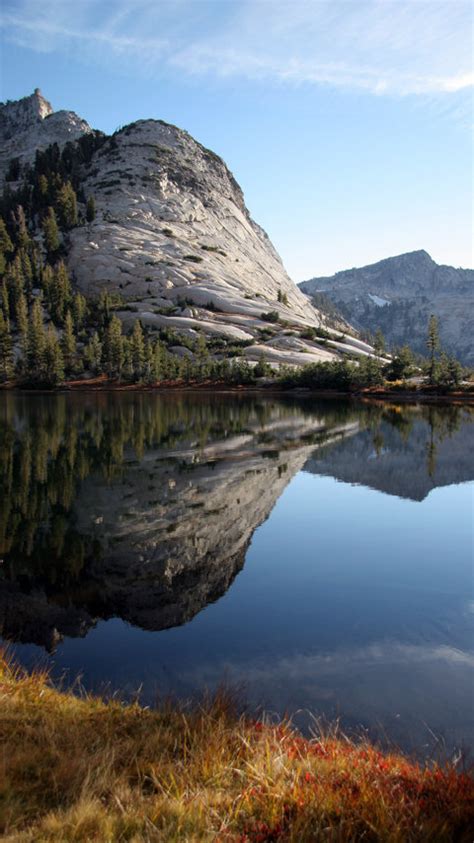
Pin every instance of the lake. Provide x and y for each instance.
(314, 555)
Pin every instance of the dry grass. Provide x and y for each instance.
(81, 769)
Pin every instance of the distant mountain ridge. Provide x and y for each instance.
(398, 295)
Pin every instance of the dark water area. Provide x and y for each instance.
(316, 555)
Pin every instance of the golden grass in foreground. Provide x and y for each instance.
(81, 769)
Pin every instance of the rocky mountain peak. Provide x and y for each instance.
(31, 123)
(24, 114)
(420, 254)
(419, 257)
(38, 105)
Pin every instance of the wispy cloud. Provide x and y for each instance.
(47, 36)
(386, 47)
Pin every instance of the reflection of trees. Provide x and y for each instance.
(401, 421)
(443, 422)
(404, 450)
(136, 505)
(50, 444)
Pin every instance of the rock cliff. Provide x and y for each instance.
(173, 237)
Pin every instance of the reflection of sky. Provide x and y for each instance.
(350, 602)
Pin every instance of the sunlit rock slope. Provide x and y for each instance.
(173, 237)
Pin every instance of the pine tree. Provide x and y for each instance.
(369, 372)
(90, 209)
(104, 308)
(79, 309)
(53, 358)
(21, 318)
(68, 343)
(127, 365)
(26, 267)
(6, 245)
(15, 282)
(5, 302)
(186, 368)
(262, 368)
(47, 280)
(114, 349)
(455, 371)
(6, 354)
(60, 293)
(21, 229)
(432, 343)
(51, 232)
(202, 355)
(36, 341)
(156, 372)
(379, 343)
(66, 203)
(41, 193)
(401, 365)
(36, 260)
(137, 350)
(93, 353)
(148, 365)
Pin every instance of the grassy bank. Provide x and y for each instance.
(81, 769)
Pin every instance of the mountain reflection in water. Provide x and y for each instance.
(142, 508)
(137, 507)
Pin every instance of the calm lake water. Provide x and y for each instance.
(316, 554)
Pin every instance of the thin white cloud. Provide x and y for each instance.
(200, 60)
(396, 47)
(44, 35)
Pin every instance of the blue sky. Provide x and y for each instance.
(348, 123)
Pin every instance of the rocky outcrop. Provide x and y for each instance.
(399, 294)
(173, 237)
(30, 124)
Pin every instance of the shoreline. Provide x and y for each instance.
(378, 394)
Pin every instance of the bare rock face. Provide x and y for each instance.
(30, 124)
(172, 231)
(172, 224)
(173, 236)
(399, 294)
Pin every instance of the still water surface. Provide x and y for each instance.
(317, 555)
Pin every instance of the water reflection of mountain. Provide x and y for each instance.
(405, 452)
(137, 507)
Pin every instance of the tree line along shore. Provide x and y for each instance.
(51, 334)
